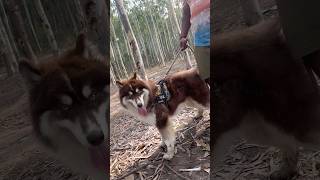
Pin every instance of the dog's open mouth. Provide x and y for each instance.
(99, 156)
(142, 111)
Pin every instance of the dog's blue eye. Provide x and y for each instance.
(93, 96)
(65, 107)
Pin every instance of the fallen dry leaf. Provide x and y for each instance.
(131, 177)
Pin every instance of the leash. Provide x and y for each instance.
(163, 94)
(175, 55)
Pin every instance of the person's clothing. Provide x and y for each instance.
(202, 56)
(200, 21)
(301, 25)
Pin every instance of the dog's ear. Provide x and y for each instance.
(81, 45)
(119, 84)
(86, 49)
(30, 73)
(135, 76)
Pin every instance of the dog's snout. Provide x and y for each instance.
(95, 138)
(139, 104)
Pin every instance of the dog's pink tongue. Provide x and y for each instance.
(99, 157)
(142, 111)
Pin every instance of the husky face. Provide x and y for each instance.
(134, 95)
(69, 95)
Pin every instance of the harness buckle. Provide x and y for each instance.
(163, 94)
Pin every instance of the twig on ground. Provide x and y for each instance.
(178, 174)
(190, 170)
(157, 173)
(136, 169)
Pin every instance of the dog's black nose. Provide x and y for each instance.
(95, 138)
(139, 105)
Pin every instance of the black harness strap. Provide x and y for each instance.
(163, 95)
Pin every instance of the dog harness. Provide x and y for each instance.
(162, 95)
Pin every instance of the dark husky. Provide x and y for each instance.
(141, 98)
(68, 98)
(263, 94)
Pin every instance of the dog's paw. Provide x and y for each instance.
(199, 114)
(162, 144)
(283, 174)
(168, 156)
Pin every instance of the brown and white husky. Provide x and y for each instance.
(261, 93)
(69, 104)
(140, 98)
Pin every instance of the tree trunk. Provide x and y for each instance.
(80, 15)
(20, 32)
(47, 26)
(151, 42)
(7, 52)
(176, 24)
(26, 9)
(251, 11)
(155, 38)
(169, 40)
(97, 21)
(127, 46)
(118, 49)
(8, 30)
(112, 76)
(115, 62)
(141, 40)
(131, 39)
(74, 24)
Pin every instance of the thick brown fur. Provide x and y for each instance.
(68, 97)
(255, 73)
(75, 65)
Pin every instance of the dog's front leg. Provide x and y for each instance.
(166, 129)
(288, 166)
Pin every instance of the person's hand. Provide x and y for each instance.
(183, 43)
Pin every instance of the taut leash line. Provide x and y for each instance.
(178, 51)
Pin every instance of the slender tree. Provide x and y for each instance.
(131, 38)
(72, 17)
(97, 23)
(155, 33)
(115, 62)
(30, 24)
(80, 15)
(47, 26)
(176, 24)
(6, 51)
(8, 29)
(19, 31)
(118, 49)
(112, 76)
